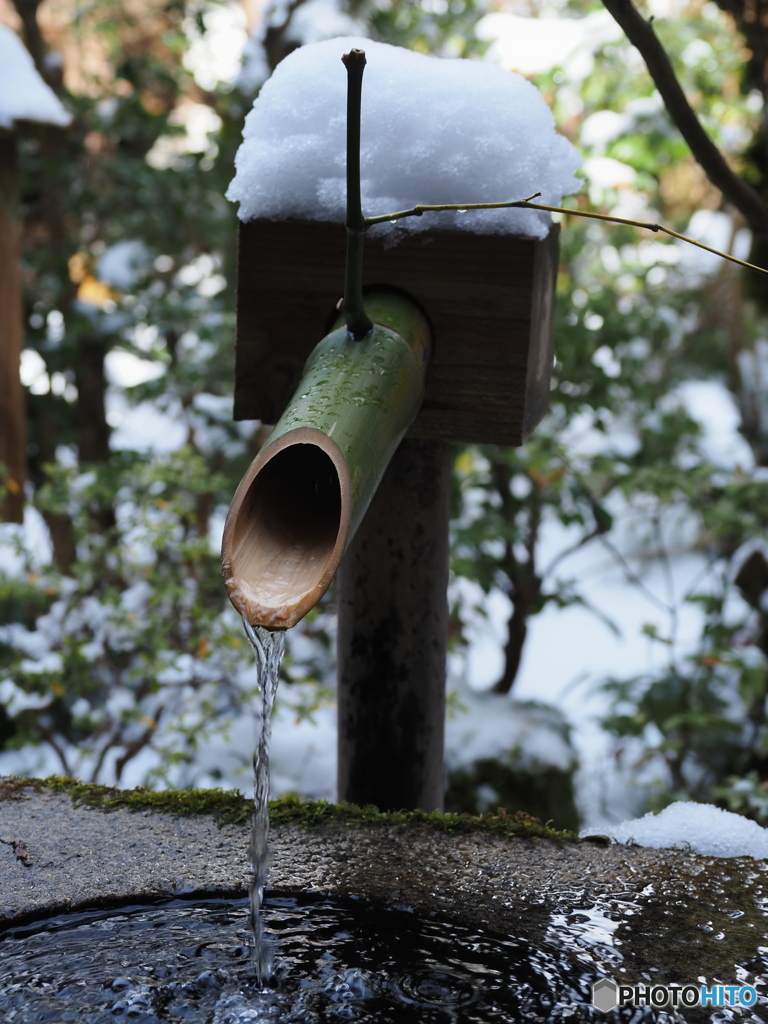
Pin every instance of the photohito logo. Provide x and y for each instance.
(606, 995)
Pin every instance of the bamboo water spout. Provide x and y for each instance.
(305, 493)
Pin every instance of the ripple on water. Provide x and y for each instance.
(337, 961)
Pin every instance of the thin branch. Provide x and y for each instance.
(33, 37)
(640, 33)
(49, 737)
(669, 576)
(276, 45)
(526, 204)
(137, 745)
(353, 308)
(632, 576)
(561, 556)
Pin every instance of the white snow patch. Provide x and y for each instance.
(495, 725)
(605, 172)
(214, 54)
(124, 263)
(255, 68)
(33, 372)
(16, 700)
(143, 427)
(603, 127)
(716, 229)
(433, 131)
(534, 45)
(127, 370)
(318, 20)
(702, 828)
(711, 403)
(24, 96)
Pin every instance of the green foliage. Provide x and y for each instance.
(747, 795)
(116, 642)
(634, 324)
(133, 646)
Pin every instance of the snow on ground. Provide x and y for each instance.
(701, 828)
(433, 131)
(24, 96)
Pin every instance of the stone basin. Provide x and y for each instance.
(627, 912)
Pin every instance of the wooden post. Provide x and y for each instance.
(392, 636)
(13, 454)
(490, 302)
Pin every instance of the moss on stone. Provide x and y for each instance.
(518, 824)
(231, 807)
(227, 806)
(541, 790)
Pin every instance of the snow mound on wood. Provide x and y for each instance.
(433, 131)
(24, 96)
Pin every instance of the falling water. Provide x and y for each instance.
(268, 647)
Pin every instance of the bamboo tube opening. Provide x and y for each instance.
(287, 529)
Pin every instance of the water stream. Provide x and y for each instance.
(268, 648)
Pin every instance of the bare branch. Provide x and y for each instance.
(48, 736)
(632, 576)
(526, 204)
(582, 542)
(640, 33)
(136, 746)
(277, 41)
(50, 71)
(357, 320)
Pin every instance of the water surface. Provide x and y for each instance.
(337, 960)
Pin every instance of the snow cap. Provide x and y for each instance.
(24, 96)
(701, 828)
(434, 131)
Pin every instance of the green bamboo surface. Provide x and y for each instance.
(364, 394)
(359, 395)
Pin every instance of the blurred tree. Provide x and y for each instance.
(703, 715)
(117, 645)
(128, 248)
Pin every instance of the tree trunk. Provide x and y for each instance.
(517, 631)
(12, 418)
(92, 428)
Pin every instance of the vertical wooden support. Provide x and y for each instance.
(392, 636)
(12, 419)
(490, 302)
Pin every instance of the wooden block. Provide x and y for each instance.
(490, 299)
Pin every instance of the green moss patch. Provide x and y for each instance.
(519, 824)
(231, 807)
(227, 806)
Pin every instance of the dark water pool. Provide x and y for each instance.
(336, 961)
